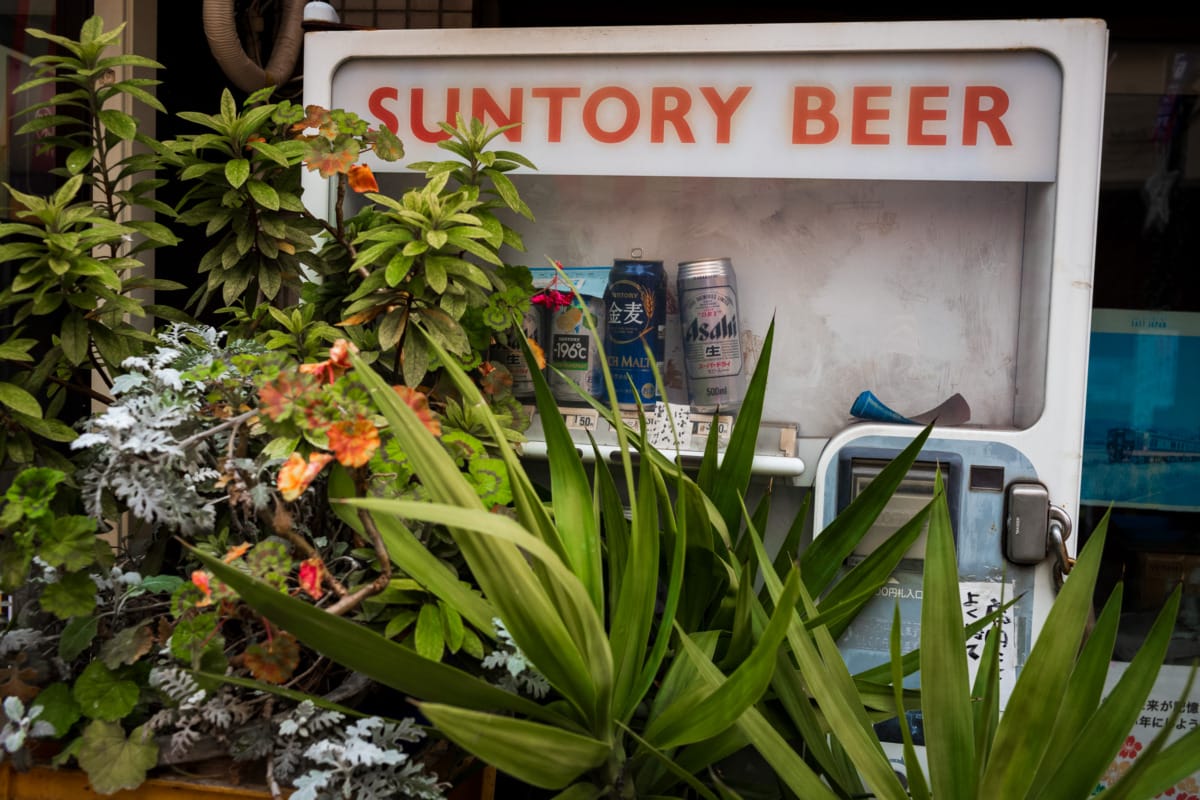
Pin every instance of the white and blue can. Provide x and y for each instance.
(711, 332)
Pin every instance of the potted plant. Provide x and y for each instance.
(110, 626)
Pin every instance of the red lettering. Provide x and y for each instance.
(591, 108)
(483, 105)
(724, 109)
(974, 115)
(417, 114)
(804, 111)
(661, 114)
(375, 105)
(862, 113)
(555, 97)
(919, 113)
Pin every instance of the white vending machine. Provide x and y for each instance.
(913, 204)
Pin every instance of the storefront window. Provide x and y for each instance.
(25, 163)
(1142, 429)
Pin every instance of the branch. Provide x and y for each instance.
(351, 601)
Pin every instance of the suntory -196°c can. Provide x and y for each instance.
(635, 308)
(573, 352)
(712, 345)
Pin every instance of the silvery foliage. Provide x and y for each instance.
(19, 725)
(195, 714)
(517, 674)
(148, 448)
(364, 759)
(20, 640)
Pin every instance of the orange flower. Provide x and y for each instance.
(327, 371)
(236, 552)
(278, 397)
(539, 355)
(362, 179)
(310, 577)
(419, 402)
(251, 140)
(201, 579)
(353, 441)
(296, 474)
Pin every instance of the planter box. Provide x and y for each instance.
(44, 783)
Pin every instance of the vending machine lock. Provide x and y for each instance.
(1033, 528)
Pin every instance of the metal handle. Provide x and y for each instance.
(1059, 532)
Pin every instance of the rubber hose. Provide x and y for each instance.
(220, 28)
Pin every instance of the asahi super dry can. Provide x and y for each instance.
(635, 315)
(712, 345)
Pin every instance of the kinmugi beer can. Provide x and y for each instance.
(514, 358)
(635, 311)
(712, 345)
(573, 351)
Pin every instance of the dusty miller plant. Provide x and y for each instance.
(328, 760)
(156, 448)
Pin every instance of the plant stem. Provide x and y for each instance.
(376, 586)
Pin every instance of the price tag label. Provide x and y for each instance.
(580, 419)
(701, 425)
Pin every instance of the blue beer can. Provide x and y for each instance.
(635, 312)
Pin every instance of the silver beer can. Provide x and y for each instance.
(573, 351)
(711, 333)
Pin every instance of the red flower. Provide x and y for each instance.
(353, 441)
(552, 299)
(201, 579)
(310, 577)
(1131, 747)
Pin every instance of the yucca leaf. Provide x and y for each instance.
(541, 755)
(525, 609)
(358, 648)
(986, 696)
(823, 558)
(789, 551)
(864, 579)
(546, 625)
(945, 692)
(652, 664)
(917, 785)
(686, 722)
(733, 475)
(786, 762)
(633, 612)
(1087, 683)
(1022, 739)
(1172, 764)
(1095, 744)
(570, 492)
(833, 690)
(408, 553)
(793, 698)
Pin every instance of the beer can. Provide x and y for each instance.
(573, 350)
(514, 359)
(635, 305)
(712, 345)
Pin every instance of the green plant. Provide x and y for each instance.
(413, 257)
(1058, 733)
(592, 601)
(74, 258)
